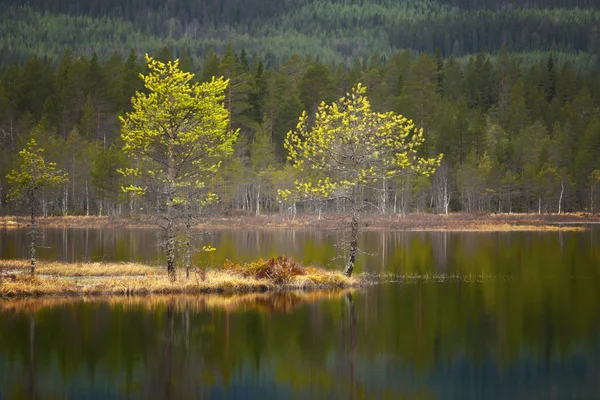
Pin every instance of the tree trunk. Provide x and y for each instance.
(170, 216)
(87, 200)
(353, 245)
(258, 200)
(65, 195)
(592, 199)
(384, 197)
(170, 247)
(562, 190)
(188, 246)
(33, 234)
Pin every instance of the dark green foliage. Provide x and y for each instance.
(333, 30)
(508, 91)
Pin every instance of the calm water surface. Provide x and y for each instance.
(523, 323)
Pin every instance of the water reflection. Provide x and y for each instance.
(425, 340)
(530, 329)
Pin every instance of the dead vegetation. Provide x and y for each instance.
(45, 268)
(483, 222)
(56, 278)
(8, 223)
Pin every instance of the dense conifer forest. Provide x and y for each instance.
(508, 91)
(330, 31)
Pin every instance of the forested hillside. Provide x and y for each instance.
(509, 91)
(333, 30)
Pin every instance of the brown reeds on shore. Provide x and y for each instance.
(476, 222)
(83, 279)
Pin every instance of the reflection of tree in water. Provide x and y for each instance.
(397, 339)
(349, 339)
(31, 387)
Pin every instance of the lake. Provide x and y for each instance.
(469, 316)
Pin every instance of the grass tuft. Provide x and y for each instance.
(282, 271)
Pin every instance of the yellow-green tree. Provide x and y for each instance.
(176, 138)
(350, 149)
(28, 184)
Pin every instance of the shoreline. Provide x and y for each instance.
(132, 279)
(458, 222)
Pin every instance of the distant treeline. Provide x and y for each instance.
(521, 139)
(332, 31)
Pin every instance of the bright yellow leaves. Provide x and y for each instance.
(350, 145)
(177, 134)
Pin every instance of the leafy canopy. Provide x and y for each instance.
(35, 175)
(177, 133)
(350, 145)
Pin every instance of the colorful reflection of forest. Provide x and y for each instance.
(530, 328)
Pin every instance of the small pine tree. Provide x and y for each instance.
(27, 186)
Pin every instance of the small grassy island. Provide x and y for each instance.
(79, 279)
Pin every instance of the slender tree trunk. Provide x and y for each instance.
(170, 218)
(258, 200)
(562, 190)
(188, 246)
(384, 197)
(65, 199)
(592, 205)
(87, 200)
(170, 245)
(33, 234)
(353, 245)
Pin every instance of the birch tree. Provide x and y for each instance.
(350, 149)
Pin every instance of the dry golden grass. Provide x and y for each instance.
(13, 264)
(96, 269)
(484, 222)
(8, 223)
(81, 269)
(511, 228)
(136, 279)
